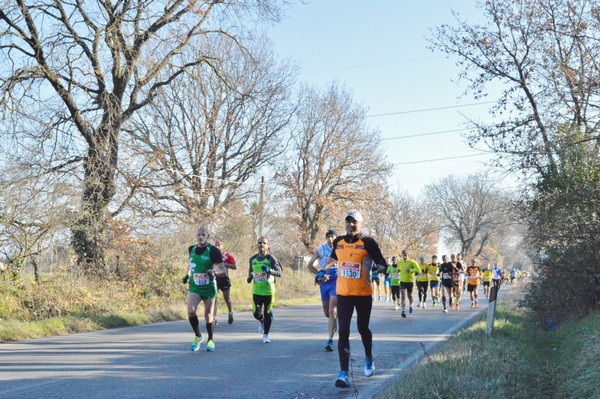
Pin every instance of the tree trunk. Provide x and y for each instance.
(89, 232)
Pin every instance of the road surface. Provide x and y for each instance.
(154, 361)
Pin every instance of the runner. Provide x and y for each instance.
(474, 275)
(408, 268)
(375, 279)
(487, 279)
(327, 284)
(394, 274)
(496, 276)
(433, 270)
(223, 281)
(422, 282)
(200, 277)
(464, 275)
(356, 255)
(263, 268)
(458, 276)
(447, 281)
(387, 283)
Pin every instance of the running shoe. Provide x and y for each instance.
(472, 304)
(329, 346)
(410, 309)
(396, 307)
(210, 346)
(424, 305)
(261, 327)
(403, 314)
(369, 367)
(196, 343)
(433, 304)
(343, 381)
(266, 339)
(230, 318)
(476, 303)
(445, 310)
(457, 307)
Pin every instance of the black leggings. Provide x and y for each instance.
(422, 287)
(261, 302)
(345, 309)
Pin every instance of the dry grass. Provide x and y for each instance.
(61, 303)
(516, 361)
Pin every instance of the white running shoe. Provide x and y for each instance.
(266, 339)
(369, 367)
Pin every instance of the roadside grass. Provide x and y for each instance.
(518, 360)
(62, 304)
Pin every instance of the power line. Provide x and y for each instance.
(439, 159)
(429, 109)
(423, 134)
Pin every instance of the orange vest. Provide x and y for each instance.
(354, 266)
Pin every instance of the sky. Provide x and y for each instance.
(378, 50)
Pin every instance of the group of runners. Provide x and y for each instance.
(358, 274)
(207, 274)
(445, 282)
(346, 268)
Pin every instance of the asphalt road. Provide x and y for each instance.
(154, 361)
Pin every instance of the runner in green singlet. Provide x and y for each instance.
(200, 277)
(263, 268)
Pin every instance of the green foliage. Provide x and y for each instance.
(564, 223)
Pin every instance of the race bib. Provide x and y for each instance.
(201, 279)
(446, 276)
(349, 270)
(260, 277)
(421, 275)
(395, 275)
(432, 275)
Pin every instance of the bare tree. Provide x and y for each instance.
(470, 210)
(78, 71)
(32, 212)
(403, 222)
(208, 135)
(545, 55)
(335, 159)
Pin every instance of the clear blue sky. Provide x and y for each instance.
(379, 51)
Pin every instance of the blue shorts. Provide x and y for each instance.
(387, 282)
(434, 284)
(327, 291)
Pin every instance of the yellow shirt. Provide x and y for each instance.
(422, 276)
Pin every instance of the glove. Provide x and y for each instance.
(249, 279)
(185, 279)
(266, 269)
(319, 276)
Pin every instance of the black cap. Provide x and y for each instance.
(330, 232)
